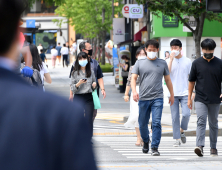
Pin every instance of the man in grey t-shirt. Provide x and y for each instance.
(151, 71)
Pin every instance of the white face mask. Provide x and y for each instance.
(152, 55)
(176, 52)
(141, 57)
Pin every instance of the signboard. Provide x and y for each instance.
(170, 21)
(118, 30)
(116, 68)
(132, 11)
(191, 22)
(125, 11)
(30, 23)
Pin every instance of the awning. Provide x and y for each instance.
(125, 42)
(138, 35)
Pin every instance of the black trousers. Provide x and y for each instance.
(124, 83)
(87, 105)
(65, 59)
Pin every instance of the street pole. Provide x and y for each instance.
(103, 37)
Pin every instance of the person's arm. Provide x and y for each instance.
(93, 81)
(133, 86)
(71, 95)
(170, 62)
(126, 97)
(48, 78)
(125, 67)
(190, 91)
(100, 81)
(170, 88)
(27, 56)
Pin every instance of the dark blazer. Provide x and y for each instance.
(40, 131)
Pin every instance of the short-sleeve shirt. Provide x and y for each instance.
(179, 75)
(58, 48)
(43, 57)
(151, 73)
(208, 77)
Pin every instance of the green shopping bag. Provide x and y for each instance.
(96, 100)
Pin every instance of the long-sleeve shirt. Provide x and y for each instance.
(130, 76)
(85, 87)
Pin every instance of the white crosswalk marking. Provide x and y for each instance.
(126, 147)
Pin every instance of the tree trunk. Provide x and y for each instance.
(103, 38)
(94, 47)
(98, 47)
(198, 33)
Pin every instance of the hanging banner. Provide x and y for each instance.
(118, 30)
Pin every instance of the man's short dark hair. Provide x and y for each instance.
(10, 12)
(208, 44)
(58, 43)
(64, 45)
(41, 50)
(176, 42)
(82, 45)
(54, 46)
(153, 43)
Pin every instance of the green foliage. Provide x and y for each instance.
(86, 15)
(181, 8)
(106, 68)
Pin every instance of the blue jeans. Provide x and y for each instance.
(175, 112)
(145, 107)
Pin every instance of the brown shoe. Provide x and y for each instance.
(199, 151)
(213, 152)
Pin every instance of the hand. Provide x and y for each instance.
(126, 98)
(193, 96)
(94, 85)
(71, 98)
(221, 97)
(27, 71)
(81, 81)
(189, 104)
(136, 97)
(103, 93)
(172, 55)
(171, 100)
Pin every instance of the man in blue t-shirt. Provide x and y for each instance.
(58, 48)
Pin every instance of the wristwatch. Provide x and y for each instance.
(102, 89)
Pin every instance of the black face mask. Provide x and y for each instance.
(90, 52)
(208, 55)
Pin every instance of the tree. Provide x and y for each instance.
(90, 18)
(180, 8)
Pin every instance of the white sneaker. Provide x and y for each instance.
(177, 143)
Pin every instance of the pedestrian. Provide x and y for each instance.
(39, 65)
(179, 68)
(74, 48)
(167, 55)
(42, 55)
(87, 48)
(58, 48)
(54, 54)
(151, 72)
(125, 69)
(132, 121)
(65, 53)
(206, 76)
(38, 130)
(83, 82)
(40, 48)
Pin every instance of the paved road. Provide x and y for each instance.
(114, 145)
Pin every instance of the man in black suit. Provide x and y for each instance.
(38, 131)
